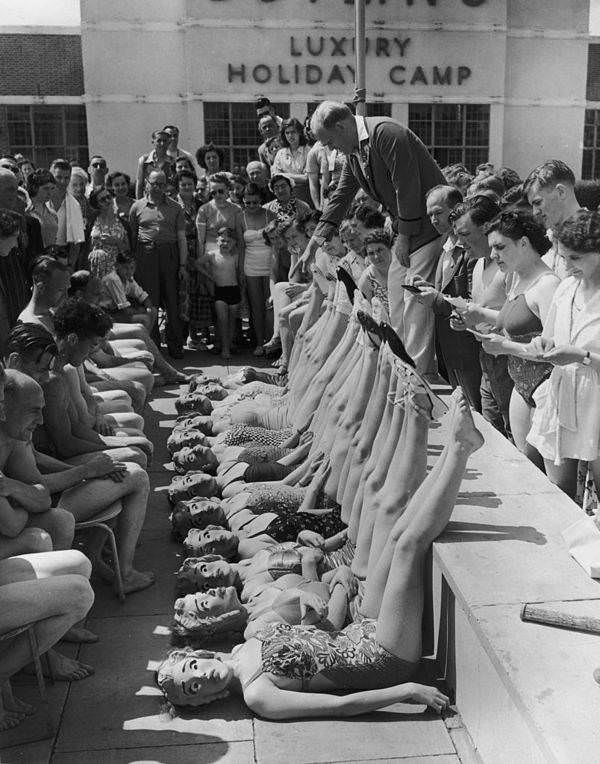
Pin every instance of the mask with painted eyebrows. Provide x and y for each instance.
(195, 422)
(197, 574)
(193, 403)
(182, 437)
(195, 458)
(190, 485)
(195, 513)
(192, 678)
(212, 540)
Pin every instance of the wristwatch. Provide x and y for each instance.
(587, 361)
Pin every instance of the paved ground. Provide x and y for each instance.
(115, 717)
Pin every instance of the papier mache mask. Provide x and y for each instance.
(193, 403)
(182, 437)
(195, 458)
(212, 390)
(190, 485)
(200, 379)
(195, 422)
(195, 513)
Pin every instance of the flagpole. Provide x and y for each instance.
(360, 92)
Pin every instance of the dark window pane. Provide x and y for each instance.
(586, 169)
(453, 132)
(43, 133)
(19, 132)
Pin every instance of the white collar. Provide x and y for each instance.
(361, 128)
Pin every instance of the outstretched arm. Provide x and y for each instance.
(267, 700)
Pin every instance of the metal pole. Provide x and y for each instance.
(359, 45)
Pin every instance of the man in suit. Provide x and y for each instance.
(457, 351)
(391, 164)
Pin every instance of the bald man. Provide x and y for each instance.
(259, 173)
(27, 521)
(391, 164)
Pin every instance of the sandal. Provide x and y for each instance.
(410, 384)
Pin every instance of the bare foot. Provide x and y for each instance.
(80, 635)
(135, 581)
(63, 669)
(9, 719)
(14, 705)
(463, 429)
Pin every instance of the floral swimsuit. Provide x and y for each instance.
(351, 658)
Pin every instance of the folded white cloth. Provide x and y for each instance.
(70, 222)
(583, 542)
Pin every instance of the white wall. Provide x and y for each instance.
(149, 63)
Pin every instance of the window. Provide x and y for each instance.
(44, 133)
(591, 145)
(234, 128)
(453, 133)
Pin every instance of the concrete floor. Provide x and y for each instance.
(115, 716)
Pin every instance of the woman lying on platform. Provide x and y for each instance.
(294, 671)
(291, 599)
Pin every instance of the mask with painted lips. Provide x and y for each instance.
(193, 677)
(212, 540)
(192, 484)
(180, 438)
(194, 402)
(202, 573)
(195, 513)
(197, 422)
(195, 458)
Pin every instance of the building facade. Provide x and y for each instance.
(510, 81)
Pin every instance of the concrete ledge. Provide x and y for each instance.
(525, 691)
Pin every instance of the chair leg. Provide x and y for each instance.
(35, 654)
(118, 577)
(48, 666)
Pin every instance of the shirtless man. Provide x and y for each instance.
(51, 282)
(78, 329)
(27, 521)
(85, 490)
(51, 590)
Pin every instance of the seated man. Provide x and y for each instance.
(51, 590)
(27, 521)
(78, 328)
(90, 288)
(50, 285)
(87, 489)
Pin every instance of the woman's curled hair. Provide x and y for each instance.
(515, 223)
(580, 232)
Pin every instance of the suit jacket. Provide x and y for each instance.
(399, 171)
(459, 350)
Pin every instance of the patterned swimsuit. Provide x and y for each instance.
(351, 658)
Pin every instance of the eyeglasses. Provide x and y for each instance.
(100, 165)
(156, 183)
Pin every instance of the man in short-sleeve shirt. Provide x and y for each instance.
(158, 234)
